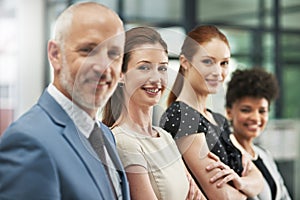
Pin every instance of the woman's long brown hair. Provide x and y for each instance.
(135, 37)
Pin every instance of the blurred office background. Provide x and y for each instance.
(264, 33)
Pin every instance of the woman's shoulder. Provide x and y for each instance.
(221, 120)
(262, 152)
(171, 109)
(123, 138)
(129, 148)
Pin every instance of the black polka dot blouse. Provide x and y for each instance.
(182, 120)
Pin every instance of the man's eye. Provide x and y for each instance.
(87, 51)
(114, 54)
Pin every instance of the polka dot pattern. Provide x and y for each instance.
(182, 120)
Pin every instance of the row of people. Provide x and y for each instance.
(55, 158)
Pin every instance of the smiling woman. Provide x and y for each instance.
(153, 164)
(198, 130)
(146, 76)
(248, 99)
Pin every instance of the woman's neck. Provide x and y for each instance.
(138, 120)
(246, 144)
(195, 100)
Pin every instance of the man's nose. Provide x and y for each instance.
(100, 62)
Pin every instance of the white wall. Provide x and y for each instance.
(30, 14)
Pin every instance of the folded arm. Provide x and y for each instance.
(139, 182)
(194, 191)
(251, 182)
(195, 152)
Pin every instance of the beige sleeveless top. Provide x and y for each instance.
(159, 156)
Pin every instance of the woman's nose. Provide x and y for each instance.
(256, 116)
(217, 69)
(157, 76)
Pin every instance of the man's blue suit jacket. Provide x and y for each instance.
(43, 156)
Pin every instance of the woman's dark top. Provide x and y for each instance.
(265, 172)
(182, 120)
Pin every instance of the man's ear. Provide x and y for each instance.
(54, 55)
(184, 62)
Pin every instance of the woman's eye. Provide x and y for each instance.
(263, 111)
(163, 68)
(245, 110)
(144, 67)
(208, 61)
(224, 63)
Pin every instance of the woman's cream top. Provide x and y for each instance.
(159, 156)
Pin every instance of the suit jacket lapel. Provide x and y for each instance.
(84, 150)
(78, 142)
(110, 146)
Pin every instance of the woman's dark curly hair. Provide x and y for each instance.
(254, 82)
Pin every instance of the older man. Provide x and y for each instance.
(50, 152)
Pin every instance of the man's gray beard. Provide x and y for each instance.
(78, 96)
